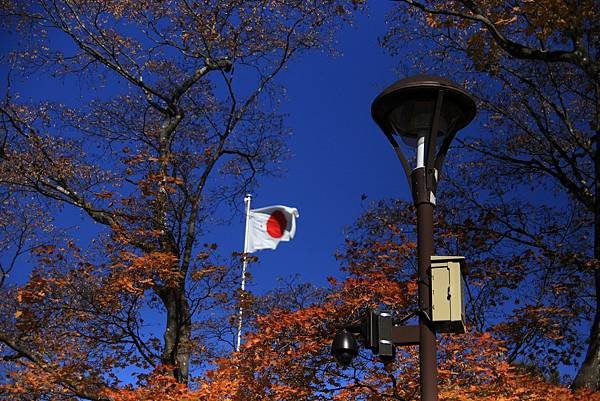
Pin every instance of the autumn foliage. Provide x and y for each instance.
(529, 176)
(287, 356)
(178, 116)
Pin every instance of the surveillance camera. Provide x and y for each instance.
(344, 347)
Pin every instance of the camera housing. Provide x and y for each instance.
(344, 347)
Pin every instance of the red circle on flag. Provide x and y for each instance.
(276, 224)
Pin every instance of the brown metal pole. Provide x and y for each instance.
(427, 339)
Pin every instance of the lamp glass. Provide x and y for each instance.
(412, 119)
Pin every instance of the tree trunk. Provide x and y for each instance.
(177, 336)
(588, 375)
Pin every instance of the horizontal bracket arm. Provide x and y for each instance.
(405, 335)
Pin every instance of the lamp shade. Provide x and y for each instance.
(407, 107)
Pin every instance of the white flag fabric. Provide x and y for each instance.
(270, 225)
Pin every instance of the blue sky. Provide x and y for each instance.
(338, 154)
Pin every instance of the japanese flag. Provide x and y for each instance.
(270, 225)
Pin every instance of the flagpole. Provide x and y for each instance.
(247, 200)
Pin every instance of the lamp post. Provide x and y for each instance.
(425, 112)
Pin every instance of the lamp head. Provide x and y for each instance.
(407, 108)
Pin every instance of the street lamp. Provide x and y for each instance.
(425, 112)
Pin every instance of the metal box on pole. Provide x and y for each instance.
(447, 293)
